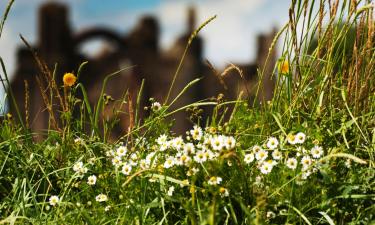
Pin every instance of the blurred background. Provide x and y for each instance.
(150, 34)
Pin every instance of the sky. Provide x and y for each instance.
(229, 38)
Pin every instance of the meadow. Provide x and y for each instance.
(304, 157)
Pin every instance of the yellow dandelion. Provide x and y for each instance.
(69, 79)
(284, 67)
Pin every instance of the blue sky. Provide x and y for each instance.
(230, 38)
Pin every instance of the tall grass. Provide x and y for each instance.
(241, 167)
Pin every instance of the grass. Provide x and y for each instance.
(304, 157)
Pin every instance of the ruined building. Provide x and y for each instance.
(58, 43)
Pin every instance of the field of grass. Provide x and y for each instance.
(304, 157)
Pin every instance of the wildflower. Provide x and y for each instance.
(211, 155)
(189, 148)
(272, 143)
(121, 151)
(183, 159)
(196, 133)
(301, 137)
(306, 162)
(91, 180)
(78, 166)
(249, 158)
(116, 161)
(177, 143)
(256, 149)
(78, 141)
(270, 215)
(164, 146)
(170, 191)
(229, 143)
(291, 163)
(316, 152)
(200, 157)
(162, 139)
(134, 158)
(101, 198)
(155, 106)
(192, 171)
(126, 169)
(305, 174)
(261, 155)
(69, 79)
(277, 155)
(284, 67)
(107, 208)
(266, 167)
(144, 164)
(291, 139)
(169, 162)
(110, 153)
(54, 200)
(217, 143)
(223, 192)
(215, 180)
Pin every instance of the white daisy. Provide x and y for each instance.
(78, 166)
(211, 155)
(305, 174)
(101, 198)
(177, 143)
(272, 143)
(266, 167)
(126, 169)
(164, 146)
(196, 133)
(215, 180)
(292, 163)
(217, 143)
(192, 171)
(116, 161)
(291, 138)
(276, 154)
(256, 149)
(306, 162)
(223, 192)
(316, 152)
(144, 164)
(229, 142)
(91, 180)
(169, 162)
(300, 137)
(261, 155)
(248, 158)
(200, 157)
(121, 151)
(183, 159)
(155, 106)
(189, 148)
(162, 139)
(54, 200)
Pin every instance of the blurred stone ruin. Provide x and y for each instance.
(59, 43)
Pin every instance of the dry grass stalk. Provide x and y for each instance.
(46, 73)
(48, 104)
